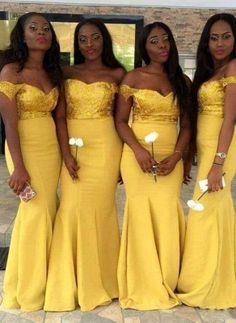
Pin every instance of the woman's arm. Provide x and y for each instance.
(226, 132)
(188, 157)
(123, 109)
(168, 164)
(63, 138)
(8, 108)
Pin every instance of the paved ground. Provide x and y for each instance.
(104, 314)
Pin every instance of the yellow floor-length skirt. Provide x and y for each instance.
(26, 272)
(153, 229)
(85, 247)
(208, 275)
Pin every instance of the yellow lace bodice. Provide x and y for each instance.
(31, 101)
(150, 105)
(211, 96)
(89, 101)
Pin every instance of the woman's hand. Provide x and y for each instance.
(18, 179)
(72, 166)
(215, 178)
(145, 160)
(120, 180)
(187, 171)
(166, 166)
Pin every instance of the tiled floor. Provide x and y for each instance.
(113, 314)
(104, 314)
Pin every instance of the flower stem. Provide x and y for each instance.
(202, 195)
(155, 176)
(76, 152)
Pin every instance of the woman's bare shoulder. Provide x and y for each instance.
(10, 73)
(131, 77)
(119, 74)
(231, 68)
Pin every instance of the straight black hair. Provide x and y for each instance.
(177, 79)
(204, 61)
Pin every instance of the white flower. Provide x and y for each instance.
(151, 137)
(79, 142)
(72, 141)
(196, 206)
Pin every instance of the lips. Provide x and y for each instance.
(164, 53)
(220, 51)
(42, 40)
(90, 51)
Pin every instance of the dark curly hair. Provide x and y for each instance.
(18, 50)
(108, 57)
(175, 74)
(204, 60)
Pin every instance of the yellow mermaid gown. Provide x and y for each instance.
(85, 247)
(153, 229)
(208, 274)
(26, 272)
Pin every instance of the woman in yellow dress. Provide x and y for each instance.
(29, 84)
(85, 247)
(208, 274)
(153, 230)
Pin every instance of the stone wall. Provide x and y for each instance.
(186, 23)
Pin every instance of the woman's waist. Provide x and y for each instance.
(90, 122)
(28, 115)
(89, 113)
(39, 129)
(211, 110)
(166, 132)
(208, 127)
(92, 128)
(208, 135)
(162, 118)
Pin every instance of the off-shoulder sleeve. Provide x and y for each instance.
(229, 80)
(9, 89)
(126, 91)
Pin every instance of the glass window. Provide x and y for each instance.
(188, 64)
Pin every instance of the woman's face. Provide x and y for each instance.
(221, 41)
(158, 45)
(90, 42)
(37, 33)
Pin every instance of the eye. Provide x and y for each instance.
(46, 29)
(165, 38)
(82, 40)
(33, 27)
(214, 38)
(96, 37)
(226, 36)
(154, 41)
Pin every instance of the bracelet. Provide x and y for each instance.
(217, 164)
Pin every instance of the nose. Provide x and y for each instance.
(89, 42)
(41, 31)
(219, 41)
(161, 44)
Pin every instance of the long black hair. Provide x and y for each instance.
(108, 57)
(18, 50)
(175, 74)
(204, 60)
